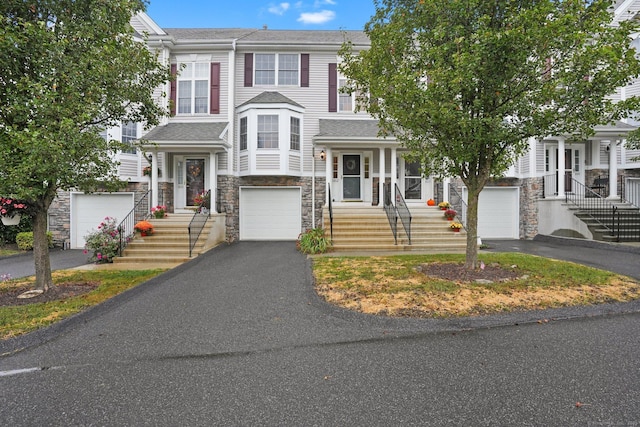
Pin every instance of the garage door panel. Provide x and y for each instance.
(89, 210)
(498, 213)
(270, 213)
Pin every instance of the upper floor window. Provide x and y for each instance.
(294, 134)
(129, 135)
(277, 69)
(243, 134)
(193, 88)
(345, 100)
(268, 131)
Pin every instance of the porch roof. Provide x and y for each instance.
(350, 131)
(188, 135)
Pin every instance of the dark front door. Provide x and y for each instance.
(351, 177)
(195, 180)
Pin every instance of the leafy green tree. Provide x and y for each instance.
(464, 83)
(68, 70)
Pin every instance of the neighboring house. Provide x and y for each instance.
(258, 118)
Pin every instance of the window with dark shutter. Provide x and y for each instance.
(304, 70)
(214, 100)
(173, 89)
(248, 69)
(333, 87)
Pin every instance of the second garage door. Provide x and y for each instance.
(89, 210)
(498, 213)
(270, 213)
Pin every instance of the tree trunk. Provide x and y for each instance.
(44, 280)
(471, 261)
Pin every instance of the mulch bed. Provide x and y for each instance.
(60, 292)
(458, 273)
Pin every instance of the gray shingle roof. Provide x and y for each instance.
(187, 132)
(365, 128)
(271, 98)
(280, 37)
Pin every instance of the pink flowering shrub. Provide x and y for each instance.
(103, 244)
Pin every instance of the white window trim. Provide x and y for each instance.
(183, 78)
(276, 69)
(284, 150)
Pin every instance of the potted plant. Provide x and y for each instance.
(11, 210)
(450, 214)
(144, 228)
(444, 206)
(455, 226)
(203, 202)
(159, 211)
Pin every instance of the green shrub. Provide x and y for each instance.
(25, 240)
(313, 241)
(8, 233)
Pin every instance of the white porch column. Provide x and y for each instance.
(613, 169)
(445, 189)
(394, 170)
(561, 171)
(328, 165)
(213, 180)
(383, 174)
(154, 179)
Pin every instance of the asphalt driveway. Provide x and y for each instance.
(238, 337)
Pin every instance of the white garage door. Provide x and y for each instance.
(89, 210)
(270, 213)
(499, 213)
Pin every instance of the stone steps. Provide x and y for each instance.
(358, 229)
(169, 243)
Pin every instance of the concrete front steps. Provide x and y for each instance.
(169, 244)
(600, 221)
(360, 228)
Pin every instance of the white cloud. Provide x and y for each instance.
(317, 17)
(298, 5)
(279, 9)
(319, 3)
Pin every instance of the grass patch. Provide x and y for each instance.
(8, 252)
(398, 285)
(20, 319)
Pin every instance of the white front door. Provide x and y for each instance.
(190, 180)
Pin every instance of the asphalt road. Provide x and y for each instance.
(238, 337)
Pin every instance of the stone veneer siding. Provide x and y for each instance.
(230, 198)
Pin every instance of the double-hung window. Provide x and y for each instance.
(294, 134)
(345, 100)
(277, 69)
(244, 136)
(129, 134)
(268, 131)
(193, 88)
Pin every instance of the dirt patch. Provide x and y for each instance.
(9, 297)
(458, 273)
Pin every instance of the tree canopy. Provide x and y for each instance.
(69, 69)
(463, 84)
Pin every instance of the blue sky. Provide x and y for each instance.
(289, 15)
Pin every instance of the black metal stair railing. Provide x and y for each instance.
(140, 211)
(403, 212)
(458, 204)
(199, 220)
(391, 212)
(330, 210)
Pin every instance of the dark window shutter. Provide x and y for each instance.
(172, 89)
(333, 87)
(248, 69)
(214, 100)
(304, 70)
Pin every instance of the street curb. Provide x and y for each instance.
(569, 241)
